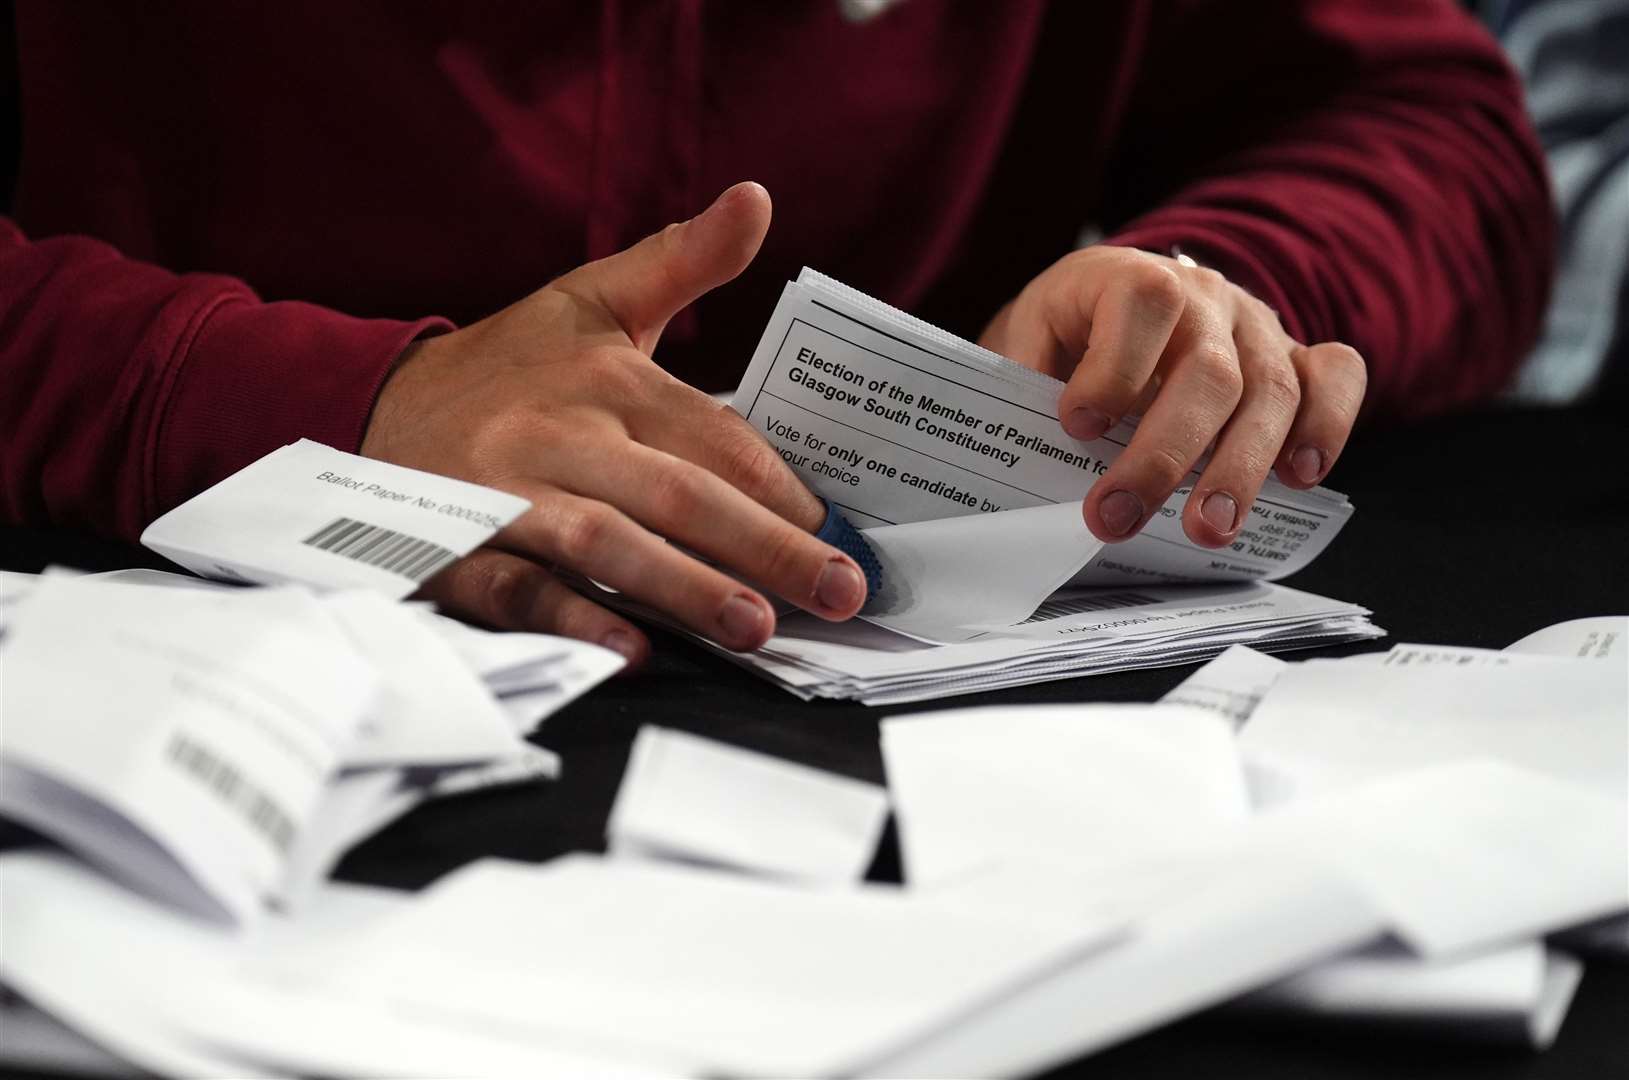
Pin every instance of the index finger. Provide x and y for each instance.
(689, 424)
(1131, 325)
(686, 503)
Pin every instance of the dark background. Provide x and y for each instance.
(10, 122)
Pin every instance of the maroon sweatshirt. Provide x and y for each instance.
(231, 218)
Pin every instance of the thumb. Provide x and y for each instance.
(646, 285)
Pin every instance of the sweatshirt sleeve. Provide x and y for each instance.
(1367, 170)
(126, 389)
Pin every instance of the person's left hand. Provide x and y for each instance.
(1203, 362)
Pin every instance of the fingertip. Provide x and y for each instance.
(745, 622)
(748, 192)
(630, 644)
(841, 589)
(749, 209)
(1303, 467)
(730, 232)
(1114, 516)
(1086, 423)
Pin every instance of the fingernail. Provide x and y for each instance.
(1086, 423)
(1308, 464)
(1120, 511)
(840, 588)
(1220, 511)
(742, 620)
(620, 641)
(841, 534)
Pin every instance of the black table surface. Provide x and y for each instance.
(1474, 530)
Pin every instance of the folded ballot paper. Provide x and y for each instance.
(694, 800)
(220, 748)
(951, 461)
(310, 514)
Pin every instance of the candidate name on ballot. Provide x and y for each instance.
(897, 421)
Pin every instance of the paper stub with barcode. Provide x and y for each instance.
(899, 422)
(311, 514)
(180, 739)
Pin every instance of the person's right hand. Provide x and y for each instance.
(556, 399)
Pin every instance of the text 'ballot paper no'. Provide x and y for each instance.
(694, 799)
(309, 513)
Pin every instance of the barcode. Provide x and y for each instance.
(409, 556)
(229, 784)
(1076, 605)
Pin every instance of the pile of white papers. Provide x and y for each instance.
(582, 967)
(952, 463)
(1074, 875)
(1421, 804)
(221, 747)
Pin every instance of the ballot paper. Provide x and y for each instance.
(975, 788)
(1327, 723)
(936, 574)
(158, 731)
(316, 515)
(14, 589)
(1076, 632)
(1518, 994)
(1465, 855)
(1604, 638)
(720, 973)
(36, 1042)
(898, 421)
(532, 675)
(951, 461)
(436, 709)
(1231, 686)
(693, 799)
(431, 708)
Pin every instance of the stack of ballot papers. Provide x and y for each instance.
(951, 462)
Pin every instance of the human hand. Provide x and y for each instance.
(556, 399)
(1203, 362)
